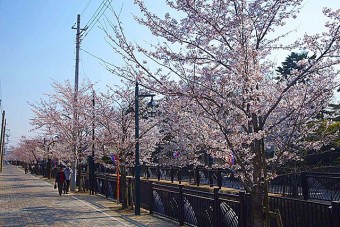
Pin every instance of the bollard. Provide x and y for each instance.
(181, 210)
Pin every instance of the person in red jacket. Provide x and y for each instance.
(60, 179)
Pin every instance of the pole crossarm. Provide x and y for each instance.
(145, 95)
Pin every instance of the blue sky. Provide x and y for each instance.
(37, 46)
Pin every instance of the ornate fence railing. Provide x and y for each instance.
(321, 186)
(309, 185)
(298, 213)
(107, 185)
(287, 184)
(197, 206)
(312, 185)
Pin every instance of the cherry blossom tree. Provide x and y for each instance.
(28, 150)
(115, 122)
(188, 137)
(36, 149)
(108, 115)
(218, 54)
(59, 115)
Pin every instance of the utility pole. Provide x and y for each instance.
(77, 56)
(2, 139)
(75, 114)
(3, 145)
(93, 123)
(90, 159)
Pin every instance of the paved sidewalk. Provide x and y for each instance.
(27, 200)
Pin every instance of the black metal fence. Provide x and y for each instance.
(310, 185)
(321, 186)
(193, 207)
(297, 213)
(196, 206)
(196, 176)
(313, 185)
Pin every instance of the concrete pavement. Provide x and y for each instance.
(28, 200)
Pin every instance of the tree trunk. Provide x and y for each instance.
(257, 206)
(257, 190)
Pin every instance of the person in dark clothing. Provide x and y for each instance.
(26, 169)
(60, 179)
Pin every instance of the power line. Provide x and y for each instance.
(98, 58)
(87, 4)
(82, 66)
(95, 13)
(96, 16)
(82, 33)
(106, 63)
(94, 20)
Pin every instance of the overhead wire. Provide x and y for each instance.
(82, 66)
(96, 57)
(92, 21)
(87, 4)
(105, 63)
(95, 17)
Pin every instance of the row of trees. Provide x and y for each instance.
(218, 87)
(172, 138)
(106, 120)
(216, 55)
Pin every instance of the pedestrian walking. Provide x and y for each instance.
(68, 173)
(60, 179)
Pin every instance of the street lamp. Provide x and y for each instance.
(151, 105)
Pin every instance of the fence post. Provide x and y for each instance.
(305, 189)
(216, 210)
(150, 198)
(211, 181)
(242, 216)
(180, 206)
(158, 173)
(172, 174)
(197, 174)
(84, 182)
(128, 191)
(106, 186)
(179, 175)
(94, 184)
(219, 178)
(335, 213)
(147, 172)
